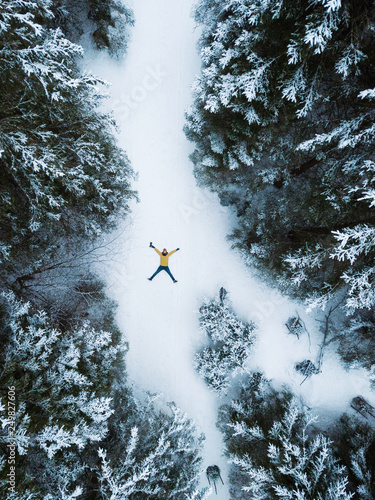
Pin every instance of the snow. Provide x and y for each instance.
(151, 88)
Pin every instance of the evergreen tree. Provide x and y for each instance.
(165, 466)
(61, 381)
(355, 444)
(275, 450)
(230, 340)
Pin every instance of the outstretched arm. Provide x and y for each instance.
(156, 250)
(173, 251)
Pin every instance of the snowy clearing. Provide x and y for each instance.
(150, 90)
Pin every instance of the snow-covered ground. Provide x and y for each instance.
(151, 88)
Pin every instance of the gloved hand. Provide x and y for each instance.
(177, 249)
(151, 245)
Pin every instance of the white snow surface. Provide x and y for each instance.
(150, 91)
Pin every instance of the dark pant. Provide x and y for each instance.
(162, 268)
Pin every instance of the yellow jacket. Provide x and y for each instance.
(164, 258)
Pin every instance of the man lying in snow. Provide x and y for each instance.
(164, 256)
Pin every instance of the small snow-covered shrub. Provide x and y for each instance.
(230, 340)
(306, 368)
(295, 326)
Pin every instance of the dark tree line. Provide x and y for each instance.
(282, 123)
(62, 175)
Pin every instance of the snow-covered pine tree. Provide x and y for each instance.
(164, 465)
(230, 341)
(283, 129)
(60, 383)
(61, 171)
(54, 421)
(275, 450)
(355, 444)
